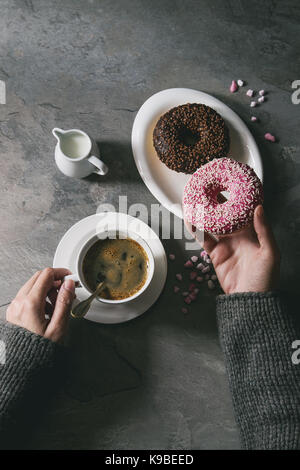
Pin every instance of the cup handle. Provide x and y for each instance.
(74, 278)
(102, 168)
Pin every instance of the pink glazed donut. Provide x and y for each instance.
(200, 197)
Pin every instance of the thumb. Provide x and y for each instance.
(262, 228)
(59, 320)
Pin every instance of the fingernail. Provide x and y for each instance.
(260, 211)
(69, 285)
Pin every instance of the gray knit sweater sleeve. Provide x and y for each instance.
(256, 334)
(26, 362)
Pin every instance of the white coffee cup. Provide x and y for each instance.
(78, 275)
(76, 154)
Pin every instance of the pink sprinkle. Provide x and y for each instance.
(250, 92)
(233, 87)
(253, 104)
(210, 284)
(206, 269)
(193, 275)
(188, 264)
(179, 277)
(270, 137)
(172, 257)
(253, 118)
(261, 92)
(188, 300)
(199, 278)
(192, 287)
(200, 266)
(261, 99)
(184, 310)
(196, 291)
(194, 259)
(176, 289)
(185, 294)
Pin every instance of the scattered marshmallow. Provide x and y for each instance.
(199, 279)
(261, 92)
(194, 259)
(253, 118)
(179, 277)
(210, 284)
(261, 99)
(270, 137)
(184, 310)
(172, 257)
(253, 104)
(233, 87)
(206, 269)
(250, 92)
(240, 83)
(176, 289)
(193, 275)
(188, 264)
(200, 266)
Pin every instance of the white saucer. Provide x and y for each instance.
(66, 255)
(167, 185)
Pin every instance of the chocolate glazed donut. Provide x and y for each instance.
(189, 136)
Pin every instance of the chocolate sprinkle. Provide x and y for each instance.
(189, 136)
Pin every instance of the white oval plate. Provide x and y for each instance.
(70, 245)
(165, 184)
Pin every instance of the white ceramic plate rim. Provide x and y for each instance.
(157, 105)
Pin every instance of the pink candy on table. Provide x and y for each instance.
(199, 279)
(233, 87)
(192, 287)
(188, 264)
(250, 92)
(179, 277)
(206, 269)
(253, 104)
(200, 266)
(261, 92)
(253, 118)
(240, 83)
(194, 259)
(270, 137)
(172, 257)
(193, 275)
(176, 289)
(261, 99)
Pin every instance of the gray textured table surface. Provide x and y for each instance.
(159, 381)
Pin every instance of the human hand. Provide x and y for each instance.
(248, 260)
(44, 294)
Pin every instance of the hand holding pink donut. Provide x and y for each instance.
(248, 260)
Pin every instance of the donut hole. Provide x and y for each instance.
(187, 137)
(222, 197)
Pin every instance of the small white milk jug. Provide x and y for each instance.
(76, 154)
